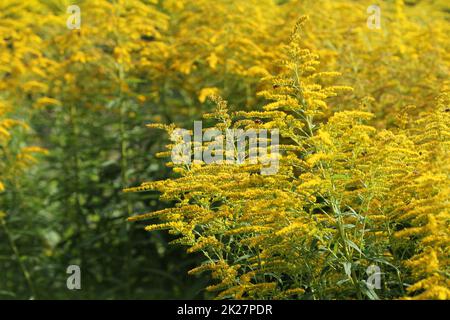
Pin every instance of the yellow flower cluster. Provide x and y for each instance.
(404, 62)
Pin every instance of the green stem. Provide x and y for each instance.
(16, 252)
(76, 167)
(124, 177)
(347, 253)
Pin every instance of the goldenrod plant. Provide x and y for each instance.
(425, 216)
(308, 159)
(336, 207)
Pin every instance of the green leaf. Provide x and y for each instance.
(348, 268)
(354, 246)
(369, 292)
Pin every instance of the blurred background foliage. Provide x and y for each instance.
(87, 94)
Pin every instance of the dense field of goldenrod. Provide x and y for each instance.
(356, 94)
